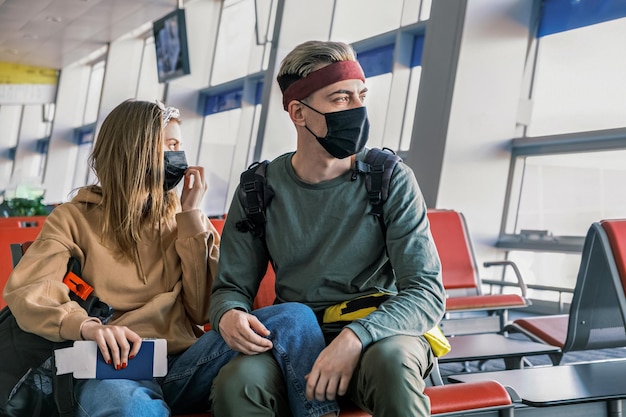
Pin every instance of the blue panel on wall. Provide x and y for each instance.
(84, 134)
(9, 153)
(561, 15)
(258, 94)
(418, 48)
(42, 145)
(224, 101)
(377, 61)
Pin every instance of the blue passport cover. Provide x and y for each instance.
(140, 367)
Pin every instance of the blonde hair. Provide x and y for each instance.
(127, 158)
(308, 56)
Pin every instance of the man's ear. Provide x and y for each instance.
(295, 112)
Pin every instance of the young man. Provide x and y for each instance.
(327, 249)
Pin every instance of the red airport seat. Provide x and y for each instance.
(463, 284)
(450, 400)
(15, 229)
(597, 315)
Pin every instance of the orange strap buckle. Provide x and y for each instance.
(77, 285)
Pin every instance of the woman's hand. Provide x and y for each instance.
(118, 344)
(193, 189)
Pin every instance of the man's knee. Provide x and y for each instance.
(390, 379)
(247, 385)
(286, 314)
(396, 356)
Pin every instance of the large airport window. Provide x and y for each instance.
(578, 82)
(354, 20)
(231, 122)
(392, 66)
(562, 194)
(567, 167)
(148, 86)
(9, 117)
(232, 103)
(558, 186)
(92, 101)
(83, 137)
(238, 52)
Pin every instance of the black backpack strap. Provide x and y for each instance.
(63, 385)
(255, 195)
(63, 388)
(380, 165)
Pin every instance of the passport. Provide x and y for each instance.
(85, 361)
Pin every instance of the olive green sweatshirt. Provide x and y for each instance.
(327, 249)
(166, 295)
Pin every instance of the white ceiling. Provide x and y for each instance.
(57, 33)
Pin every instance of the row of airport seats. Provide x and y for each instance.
(597, 317)
(484, 398)
(596, 320)
(460, 273)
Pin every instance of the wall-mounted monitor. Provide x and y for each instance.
(170, 39)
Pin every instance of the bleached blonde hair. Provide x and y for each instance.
(308, 56)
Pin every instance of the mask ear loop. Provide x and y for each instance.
(306, 127)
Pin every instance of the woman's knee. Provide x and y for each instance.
(119, 397)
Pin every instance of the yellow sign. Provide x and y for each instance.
(25, 74)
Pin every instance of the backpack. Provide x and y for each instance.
(29, 386)
(255, 194)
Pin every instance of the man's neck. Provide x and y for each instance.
(319, 167)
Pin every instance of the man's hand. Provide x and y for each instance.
(334, 367)
(243, 332)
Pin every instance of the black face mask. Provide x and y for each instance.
(347, 134)
(175, 167)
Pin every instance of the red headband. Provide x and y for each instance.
(337, 71)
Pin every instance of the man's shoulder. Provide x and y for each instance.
(278, 168)
(280, 160)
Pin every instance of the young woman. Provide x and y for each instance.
(152, 256)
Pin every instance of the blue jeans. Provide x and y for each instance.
(297, 342)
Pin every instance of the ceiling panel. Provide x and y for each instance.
(58, 33)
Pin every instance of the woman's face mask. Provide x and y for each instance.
(347, 134)
(175, 167)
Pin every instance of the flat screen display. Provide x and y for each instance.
(170, 39)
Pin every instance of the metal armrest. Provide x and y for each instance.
(520, 281)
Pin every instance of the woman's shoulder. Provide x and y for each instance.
(83, 207)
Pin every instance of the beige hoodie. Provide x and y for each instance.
(165, 296)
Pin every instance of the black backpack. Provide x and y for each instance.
(255, 194)
(29, 386)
